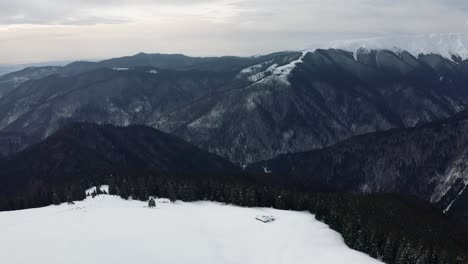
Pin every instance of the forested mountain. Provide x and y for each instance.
(82, 153)
(428, 161)
(328, 96)
(9, 82)
(11, 143)
(245, 109)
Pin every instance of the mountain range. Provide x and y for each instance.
(347, 120)
(370, 136)
(244, 109)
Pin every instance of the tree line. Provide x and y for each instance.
(391, 228)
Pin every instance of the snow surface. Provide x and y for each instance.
(265, 218)
(442, 44)
(457, 170)
(254, 68)
(107, 229)
(454, 200)
(273, 73)
(103, 188)
(284, 71)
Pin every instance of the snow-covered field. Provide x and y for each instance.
(107, 229)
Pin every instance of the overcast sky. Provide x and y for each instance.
(51, 30)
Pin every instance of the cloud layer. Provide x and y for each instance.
(32, 30)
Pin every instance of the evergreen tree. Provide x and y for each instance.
(151, 203)
(55, 199)
(70, 197)
(171, 194)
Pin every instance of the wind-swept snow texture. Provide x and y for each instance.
(107, 229)
(445, 45)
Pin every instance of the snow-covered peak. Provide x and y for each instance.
(443, 44)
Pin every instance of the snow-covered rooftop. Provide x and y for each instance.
(265, 218)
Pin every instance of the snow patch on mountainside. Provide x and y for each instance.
(213, 119)
(281, 73)
(456, 171)
(268, 72)
(107, 229)
(258, 76)
(454, 200)
(255, 68)
(443, 44)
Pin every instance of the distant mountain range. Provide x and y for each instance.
(245, 109)
(249, 109)
(9, 68)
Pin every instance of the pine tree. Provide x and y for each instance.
(389, 250)
(70, 197)
(251, 197)
(171, 194)
(280, 203)
(151, 203)
(55, 199)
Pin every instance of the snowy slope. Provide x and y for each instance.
(273, 71)
(442, 44)
(107, 229)
(445, 45)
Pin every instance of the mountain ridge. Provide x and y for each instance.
(428, 161)
(247, 109)
(88, 152)
(453, 46)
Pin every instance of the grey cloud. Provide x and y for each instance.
(377, 13)
(62, 12)
(209, 27)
